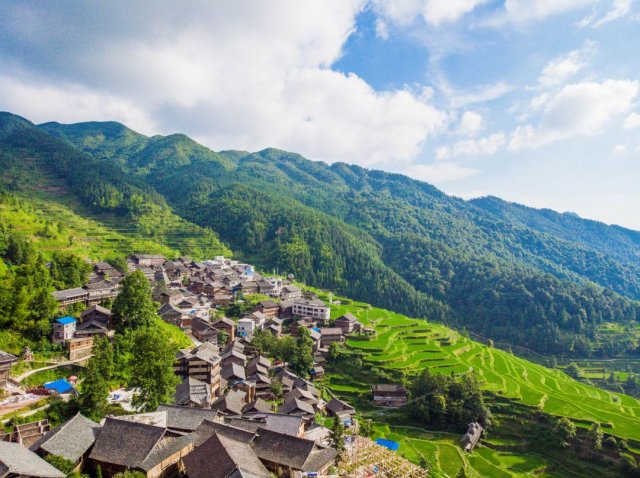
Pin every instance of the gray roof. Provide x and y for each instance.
(231, 403)
(67, 293)
(296, 406)
(233, 370)
(258, 405)
(349, 317)
(207, 429)
(220, 456)
(71, 440)
(338, 406)
(297, 453)
(165, 449)
(125, 443)
(7, 357)
(192, 390)
(96, 308)
(275, 422)
(18, 460)
(186, 418)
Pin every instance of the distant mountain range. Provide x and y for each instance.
(529, 277)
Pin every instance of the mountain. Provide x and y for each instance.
(376, 236)
(615, 241)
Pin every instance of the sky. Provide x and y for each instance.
(534, 101)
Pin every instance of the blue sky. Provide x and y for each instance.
(534, 101)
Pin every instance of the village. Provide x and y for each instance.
(235, 412)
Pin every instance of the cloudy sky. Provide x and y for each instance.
(535, 101)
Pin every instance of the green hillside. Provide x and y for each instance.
(615, 241)
(39, 166)
(387, 239)
(523, 396)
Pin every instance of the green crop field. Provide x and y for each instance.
(410, 345)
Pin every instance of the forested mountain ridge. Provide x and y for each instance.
(615, 241)
(382, 237)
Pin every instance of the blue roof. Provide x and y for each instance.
(391, 445)
(66, 320)
(61, 385)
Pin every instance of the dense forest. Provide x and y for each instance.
(376, 236)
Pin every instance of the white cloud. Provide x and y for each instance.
(619, 9)
(242, 75)
(558, 70)
(479, 94)
(632, 121)
(525, 10)
(434, 12)
(473, 147)
(439, 172)
(70, 104)
(619, 149)
(470, 124)
(580, 109)
(382, 30)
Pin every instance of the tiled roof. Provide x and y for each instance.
(71, 440)
(15, 459)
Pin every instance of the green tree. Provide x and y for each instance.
(564, 432)
(596, 436)
(119, 263)
(223, 337)
(302, 359)
(68, 270)
(337, 436)
(134, 306)
(130, 474)
(95, 387)
(152, 368)
(335, 350)
(62, 464)
(574, 371)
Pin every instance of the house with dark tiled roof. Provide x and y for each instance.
(201, 363)
(348, 323)
(129, 445)
(276, 422)
(202, 330)
(295, 406)
(71, 440)
(18, 461)
(182, 419)
(341, 410)
(226, 324)
(257, 406)
(231, 404)
(285, 455)
(192, 392)
(97, 313)
(6, 359)
(223, 457)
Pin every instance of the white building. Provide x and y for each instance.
(315, 309)
(245, 327)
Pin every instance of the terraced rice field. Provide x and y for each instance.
(410, 345)
(444, 456)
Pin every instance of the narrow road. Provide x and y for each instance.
(50, 367)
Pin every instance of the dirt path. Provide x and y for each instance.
(28, 373)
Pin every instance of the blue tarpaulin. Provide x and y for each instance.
(66, 320)
(391, 445)
(61, 385)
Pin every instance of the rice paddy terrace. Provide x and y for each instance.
(407, 346)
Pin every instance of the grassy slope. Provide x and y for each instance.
(409, 345)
